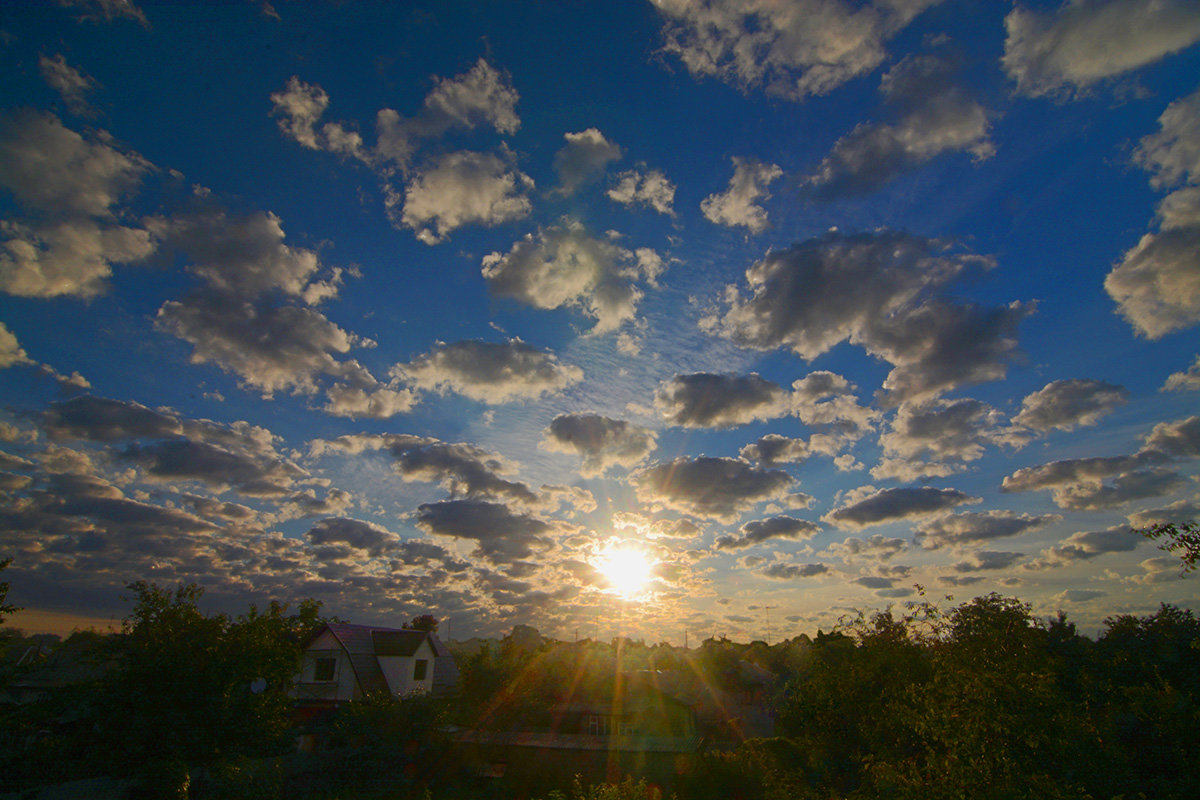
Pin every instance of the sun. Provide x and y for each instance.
(628, 571)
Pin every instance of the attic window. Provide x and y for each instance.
(419, 668)
(324, 669)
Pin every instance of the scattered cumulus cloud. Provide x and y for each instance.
(1065, 52)
(790, 50)
(565, 266)
(1156, 286)
(489, 372)
(740, 203)
(708, 487)
(705, 400)
(586, 155)
(772, 528)
(68, 185)
(879, 291)
(1067, 404)
(601, 442)
(464, 188)
(936, 117)
(1185, 380)
(867, 507)
(650, 189)
(69, 82)
(972, 528)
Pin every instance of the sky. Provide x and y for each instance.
(813, 307)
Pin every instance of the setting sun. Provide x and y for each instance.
(628, 571)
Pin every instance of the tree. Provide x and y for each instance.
(1182, 539)
(424, 622)
(5, 609)
(192, 688)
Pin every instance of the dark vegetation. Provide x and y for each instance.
(977, 700)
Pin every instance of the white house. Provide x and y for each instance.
(342, 662)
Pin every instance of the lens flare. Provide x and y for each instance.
(628, 571)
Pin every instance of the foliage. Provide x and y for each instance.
(195, 688)
(424, 622)
(1183, 540)
(5, 609)
(627, 789)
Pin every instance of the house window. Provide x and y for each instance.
(598, 725)
(324, 669)
(419, 668)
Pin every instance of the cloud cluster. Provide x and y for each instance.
(937, 439)
(866, 506)
(69, 82)
(586, 154)
(463, 188)
(1083, 43)
(879, 291)
(68, 186)
(740, 203)
(489, 372)
(772, 528)
(1156, 285)
(1080, 483)
(708, 487)
(972, 528)
(602, 442)
(706, 400)
(936, 117)
(1086, 545)
(563, 266)
(650, 189)
(449, 190)
(792, 50)
(1067, 404)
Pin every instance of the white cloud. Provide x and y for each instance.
(1156, 285)
(586, 154)
(299, 107)
(938, 117)
(947, 434)
(602, 442)
(564, 266)
(380, 402)
(739, 204)
(1172, 155)
(11, 352)
(109, 10)
(705, 400)
(463, 188)
(1187, 380)
(888, 505)
(68, 185)
(715, 488)
(1088, 41)
(793, 49)
(244, 256)
(650, 189)
(489, 372)
(970, 528)
(69, 82)
(880, 291)
(1067, 404)
(270, 348)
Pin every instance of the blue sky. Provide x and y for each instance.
(426, 307)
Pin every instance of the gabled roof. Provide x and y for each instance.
(364, 644)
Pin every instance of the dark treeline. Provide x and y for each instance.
(979, 700)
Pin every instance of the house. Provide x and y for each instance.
(343, 662)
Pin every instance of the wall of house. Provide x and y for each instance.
(341, 688)
(399, 671)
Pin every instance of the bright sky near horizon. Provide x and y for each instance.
(447, 307)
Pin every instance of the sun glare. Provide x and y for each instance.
(627, 570)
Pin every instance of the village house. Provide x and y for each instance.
(343, 662)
